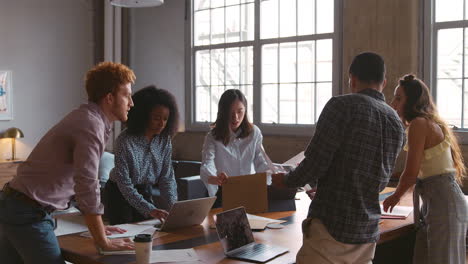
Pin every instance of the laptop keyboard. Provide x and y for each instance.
(255, 250)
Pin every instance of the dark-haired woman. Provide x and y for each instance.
(435, 164)
(143, 159)
(233, 146)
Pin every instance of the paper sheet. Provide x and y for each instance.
(258, 222)
(69, 224)
(399, 212)
(132, 230)
(174, 255)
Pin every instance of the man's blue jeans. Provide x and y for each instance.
(26, 233)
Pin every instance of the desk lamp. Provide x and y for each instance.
(13, 133)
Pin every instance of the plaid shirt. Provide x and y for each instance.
(350, 159)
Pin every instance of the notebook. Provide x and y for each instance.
(398, 212)
(187, 213)
(237, 239)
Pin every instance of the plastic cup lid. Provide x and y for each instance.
(143, 238)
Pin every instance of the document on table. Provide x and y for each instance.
(399, 212)
(132, 230)
(174, 255)
(259, 222)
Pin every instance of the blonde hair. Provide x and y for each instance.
(419, 103)
(106, 77)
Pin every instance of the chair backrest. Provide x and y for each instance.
(105, 166)
(185, 168)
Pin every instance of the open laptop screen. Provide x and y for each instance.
(233, 229)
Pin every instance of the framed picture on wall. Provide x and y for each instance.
(6, 100)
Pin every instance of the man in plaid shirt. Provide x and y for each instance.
(349, 160)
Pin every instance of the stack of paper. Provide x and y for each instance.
(174, 255)
(259, 223)
(170, 255)
(398, 212)
(132, 230)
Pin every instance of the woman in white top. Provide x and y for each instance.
(435, 164)
(233, 146)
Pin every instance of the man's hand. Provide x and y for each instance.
(218, 180)
(159, 214)
(114, 230)
(390, 202)
(277, 180)
(118, 244)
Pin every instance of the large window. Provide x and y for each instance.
(281, 53)
(447, 66)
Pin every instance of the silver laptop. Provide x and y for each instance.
(237, 239)
(187, 213)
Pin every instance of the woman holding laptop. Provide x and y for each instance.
(143, 159)
(233, 146)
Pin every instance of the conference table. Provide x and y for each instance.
(203, 238)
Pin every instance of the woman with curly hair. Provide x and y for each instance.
(435, 164)
(143, 158)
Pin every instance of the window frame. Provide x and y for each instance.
(257, 43)
(429, 54)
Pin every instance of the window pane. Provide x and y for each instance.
(306, 17)
(201, 4)
(202, 103)
(232, 2)
(287, 103)
(217, 67)
(449, 100)
(465, 107)
(233, 23)
(306, 63)
(216, 92)
(324, 60)
(325, 16)
(287, 62)
(288, 18)
(232, 66)
(466, 51)
(449, 53)
(203, 68)
(270, 63)
(246, 70)
(247, 22)
(448, 10)
(217, 25)
(295, 76)
(324, 93)
(305, 106)
(270, 103)
(217, 3)
(269, 19)
(202, 28)
(247, 90)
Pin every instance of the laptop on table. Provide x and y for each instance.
(237, 239)
(187, 213)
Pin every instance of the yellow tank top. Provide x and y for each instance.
(436, 160)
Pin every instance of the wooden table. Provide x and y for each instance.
(78, 249)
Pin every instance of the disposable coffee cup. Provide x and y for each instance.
(143, 248)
